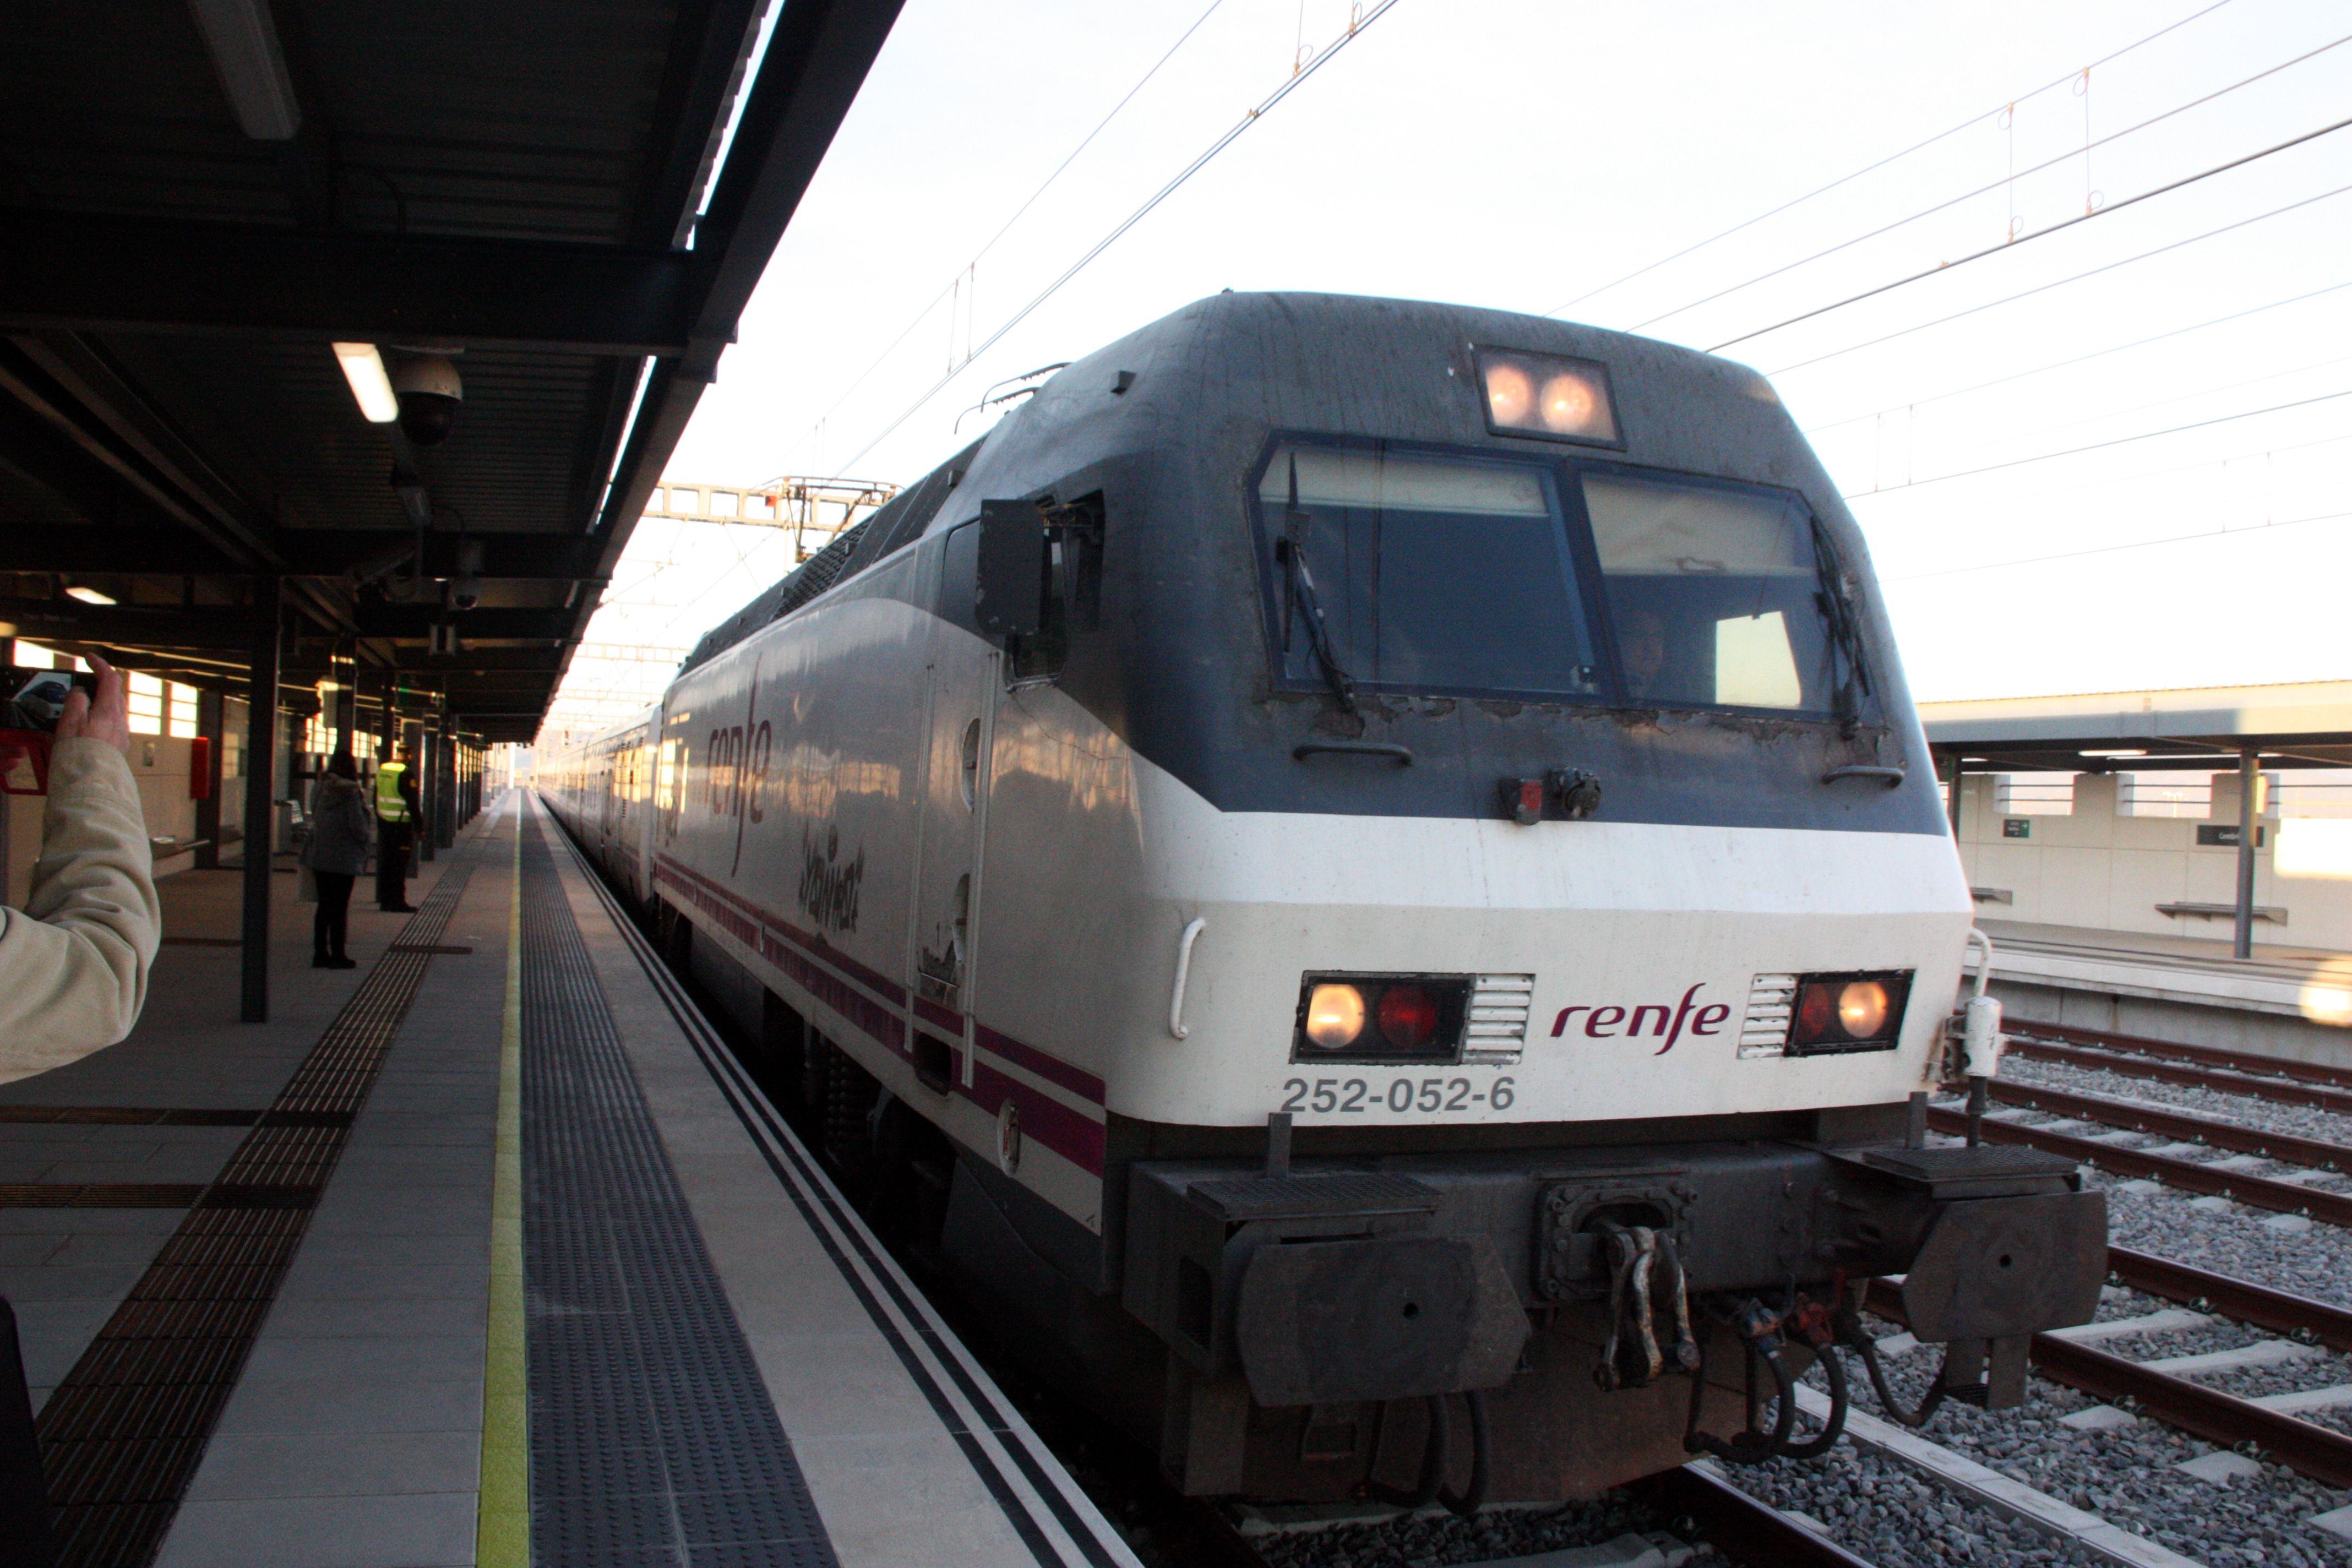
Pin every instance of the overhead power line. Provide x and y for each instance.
(2191, 396)
(1890, 158)
(2061, 282)
(2142, 476)
(1356, 29)
(2102, 446)
(1945, 206)
(1059, 170)
(2115, 549)
(2063, 363)
(1941, 268)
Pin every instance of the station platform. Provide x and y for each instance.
(483, 1253)
(2295, 1003)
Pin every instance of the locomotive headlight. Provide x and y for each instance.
(1510, 392)
(1568, 403)
(1861, 1008)
(1837, 1013)
(1395, 1019)
(1335, 1017)
(1546, 394)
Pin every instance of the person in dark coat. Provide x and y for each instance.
(342, 824)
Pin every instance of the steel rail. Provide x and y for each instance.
(1749, 1531)
(2306, 1448)
(2243, 1300)
(2203, 1056)
(2285, 1092)
(2313, 1154)
(2260, 1192)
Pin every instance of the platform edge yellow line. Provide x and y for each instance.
(502, 1524)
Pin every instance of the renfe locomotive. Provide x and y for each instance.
(1364, 875)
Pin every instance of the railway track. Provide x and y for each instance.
(2166, 1390)
(2318, 1089)
(2174, 1171)
(2210, 1056)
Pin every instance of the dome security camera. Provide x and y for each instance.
(465, 587)
(429, 393)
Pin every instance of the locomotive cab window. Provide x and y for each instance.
(1712, 592)
(1407, 572)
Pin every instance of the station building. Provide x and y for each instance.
(2104, 838)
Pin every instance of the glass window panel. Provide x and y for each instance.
(1712, 591)
(1428, 574)
(146, 700)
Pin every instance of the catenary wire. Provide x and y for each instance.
(2114, 549)
(2061, 282)
(2102, 446)
(1356, 29)
(1059, 170)
(2078, 359)
(2202, 392)
(1944, 267)
(1951, 202)
(1882, 162)
(2141, 475)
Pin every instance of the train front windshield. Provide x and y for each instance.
(1413, 573)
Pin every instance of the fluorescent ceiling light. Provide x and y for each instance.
(87, 596)
(2123, 753)
(363, 368)
(245, 50)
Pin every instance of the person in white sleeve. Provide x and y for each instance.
(74, 961)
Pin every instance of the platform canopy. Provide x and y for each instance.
(2300, 724)
(570, 203)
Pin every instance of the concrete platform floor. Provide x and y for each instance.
(354, 1435)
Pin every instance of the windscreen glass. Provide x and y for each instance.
(1712, 594)
(1417, 572)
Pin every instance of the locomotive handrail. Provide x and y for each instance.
(1890, 776)
(1306, 749)
(1176, 1024)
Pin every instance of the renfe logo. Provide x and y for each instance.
(1600, 1022)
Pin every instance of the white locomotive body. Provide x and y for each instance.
(1428, 787)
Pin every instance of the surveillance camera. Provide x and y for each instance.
(429, 394)
(465, 587)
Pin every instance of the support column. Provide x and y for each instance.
(2249, 824)
(445, 806)
(427, 763)
(209, 726)
(260, 808)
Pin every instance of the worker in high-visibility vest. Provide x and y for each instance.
(396, 816)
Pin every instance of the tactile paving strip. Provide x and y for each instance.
(653, 1439)
(122, 1434)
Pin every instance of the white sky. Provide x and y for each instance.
(1521, 153)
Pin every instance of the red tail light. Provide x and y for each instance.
(1408, 1016)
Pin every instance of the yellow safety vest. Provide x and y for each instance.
(389, 805)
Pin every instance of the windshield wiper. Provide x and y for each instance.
(1291, 550)
(1845, 633)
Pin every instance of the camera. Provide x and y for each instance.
(35, 698)
(465, 587)
(429, 393)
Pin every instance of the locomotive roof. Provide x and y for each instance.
(1309, 361)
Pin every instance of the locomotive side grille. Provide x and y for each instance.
(1497, 1030)
(1764, 1031)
